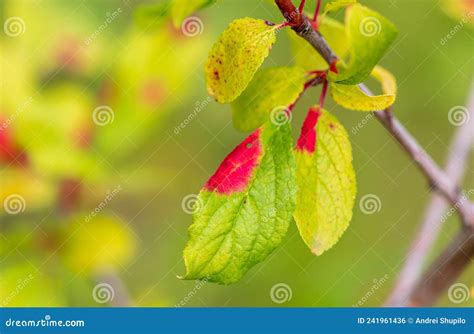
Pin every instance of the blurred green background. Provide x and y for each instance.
(96, 168)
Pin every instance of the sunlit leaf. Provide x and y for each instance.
(271, 91)
(305, 55)
(370, 36)
(352, 97)
(236, 56)
(326, 181)
(244, 210)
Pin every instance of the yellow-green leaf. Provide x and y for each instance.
(326, 181)
(306, 57)
(338, 4)
(369, 36)
(180, 9)
(236, 56)
(352, 97)
(270, 93)
(386, 79)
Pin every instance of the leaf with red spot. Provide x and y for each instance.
(326, 181)
(236, 56)
(244, 209)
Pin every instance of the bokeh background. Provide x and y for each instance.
(107, 132)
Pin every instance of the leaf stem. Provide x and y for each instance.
(310, 83)
(322, 98)
(301, 7)
(316, 12)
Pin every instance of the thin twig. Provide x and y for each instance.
(300, 24)
(436, 210)
(457, 255)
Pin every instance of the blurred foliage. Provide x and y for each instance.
(74, 226)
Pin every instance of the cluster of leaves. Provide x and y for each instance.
(266, 182)
(59, 160)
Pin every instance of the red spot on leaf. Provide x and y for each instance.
(10, 152)
(152, 93)
(307, 140)
(235, 171)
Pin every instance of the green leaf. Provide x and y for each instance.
(271, 91)
(244, 210)
(306, 57)
(325, 179)
(352, 97)
(180, 9)
(151, 15)
(236, 56)
(369, 35)
(338, 4)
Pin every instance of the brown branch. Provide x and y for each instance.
(436, 210)
(301, 25)
(436, 177)
(444, 270)
(457, 255)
